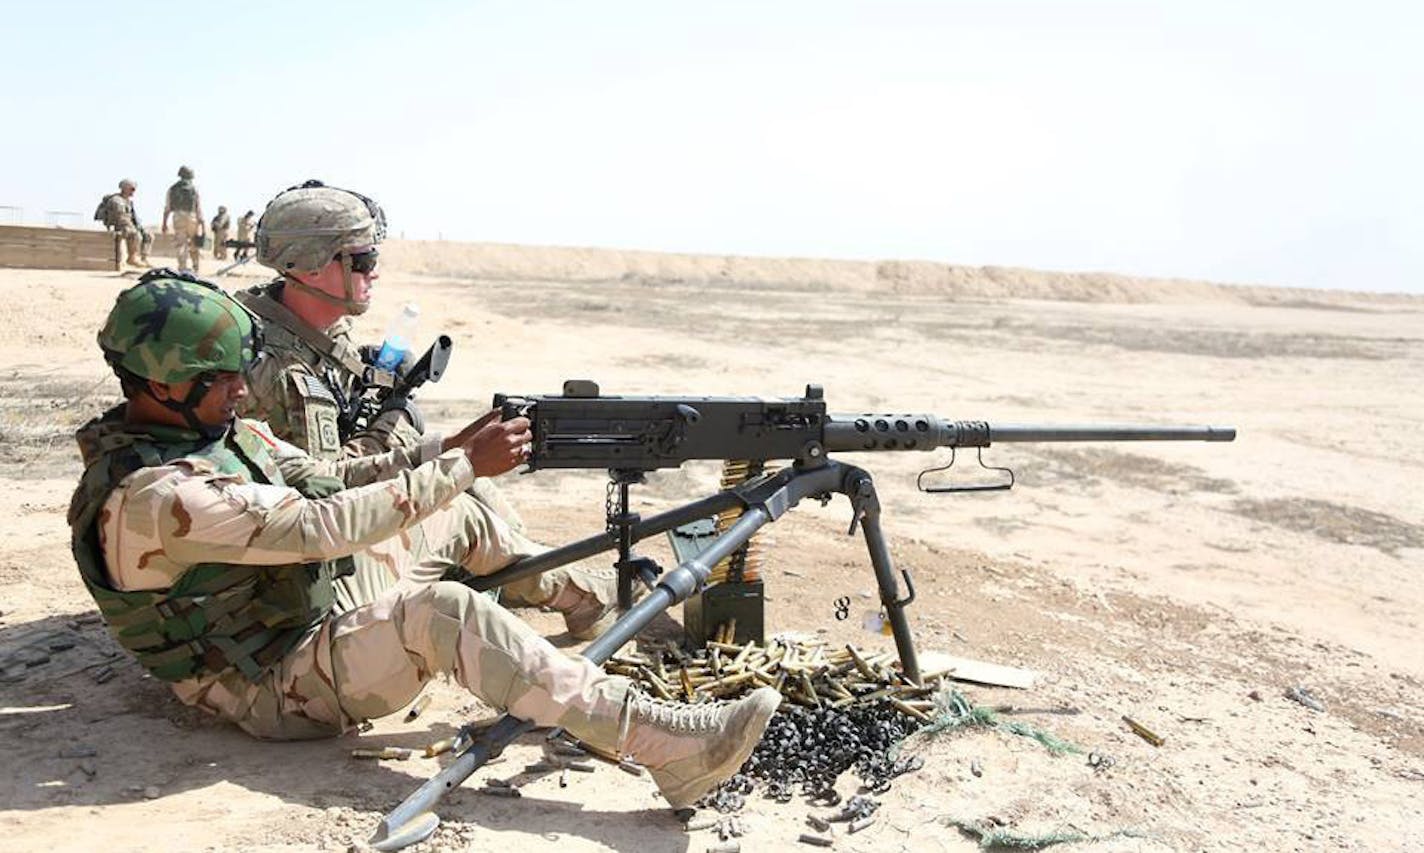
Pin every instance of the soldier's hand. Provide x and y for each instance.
(494, 446)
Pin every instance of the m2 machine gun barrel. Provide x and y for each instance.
(928, 432)
(583, 429)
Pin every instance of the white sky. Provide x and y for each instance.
(1268, 142)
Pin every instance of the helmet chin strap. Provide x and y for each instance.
(188, 408)
(348, 286)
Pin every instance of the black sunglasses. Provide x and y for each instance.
(362, 262)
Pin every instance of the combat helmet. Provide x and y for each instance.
(185, 173)
(305, 227)
(174, 327)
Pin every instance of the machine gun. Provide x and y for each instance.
(242, 254)
(630, 436)
(370, 398)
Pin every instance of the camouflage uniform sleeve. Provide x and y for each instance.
(295, 404)
(297, 466)
(189, 513)
(386, 431)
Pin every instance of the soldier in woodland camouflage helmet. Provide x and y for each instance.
(211, 548)
(323, 242)
(170, 329)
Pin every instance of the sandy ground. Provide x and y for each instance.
(1188, 586)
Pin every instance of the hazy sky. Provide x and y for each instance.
(1270, 142)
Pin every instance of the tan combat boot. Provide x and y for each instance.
(589, 602)
(691, 749)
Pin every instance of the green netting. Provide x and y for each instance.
(997, 838)
(953, 712)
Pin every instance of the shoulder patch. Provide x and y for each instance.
(314, 388)
(319, 413)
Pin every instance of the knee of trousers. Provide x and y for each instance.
(454, 600)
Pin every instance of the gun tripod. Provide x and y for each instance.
(763, 500)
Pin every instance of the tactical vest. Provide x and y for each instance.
(183, 196)
(216, 615)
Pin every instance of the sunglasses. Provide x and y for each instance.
(362, 262)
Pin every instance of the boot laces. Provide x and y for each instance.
(679, 716)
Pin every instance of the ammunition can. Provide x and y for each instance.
(739, 604)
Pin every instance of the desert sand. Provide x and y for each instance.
(1188, 586)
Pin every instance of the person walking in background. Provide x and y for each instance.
(186, 209)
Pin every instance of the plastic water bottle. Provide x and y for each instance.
(399, 335)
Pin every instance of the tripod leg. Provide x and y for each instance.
(868, 504)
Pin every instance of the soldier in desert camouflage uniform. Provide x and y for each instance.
(221, 224)
(323, 242)
(210, 546)
(117, 213)
(245, 226)
(186, 209)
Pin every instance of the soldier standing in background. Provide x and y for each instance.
(116, 211)
(186, 209)
(245, 226)
(220, 229)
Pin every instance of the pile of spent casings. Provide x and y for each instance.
(844, 709)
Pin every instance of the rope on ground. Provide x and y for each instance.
(998, 838)
(953, 712)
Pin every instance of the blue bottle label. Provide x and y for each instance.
(390, 356)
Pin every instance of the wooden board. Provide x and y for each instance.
(977, 671)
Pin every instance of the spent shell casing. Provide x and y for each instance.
(817, 823)
(1143, 732)
(579, 766)
(498, 783)
(630, 767)
(541, 767)
(815, 840)
(439, 747)
(564, 778)
(700, 824)
(862, 823)
(904, 708)
(418, 708)
(512, 793)
(390, 753)
(567, 750)
(726, 847)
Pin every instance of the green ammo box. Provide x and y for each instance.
(706, 612)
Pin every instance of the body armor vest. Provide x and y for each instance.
(183, 196)
(216, 615)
